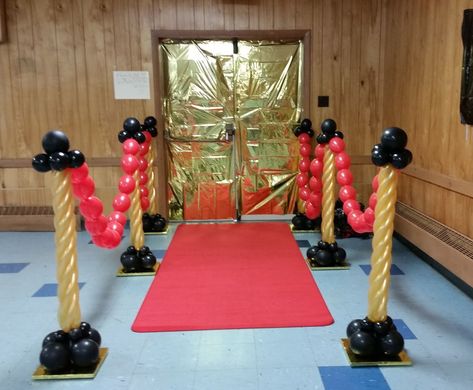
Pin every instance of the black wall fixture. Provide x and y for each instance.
(466, 99)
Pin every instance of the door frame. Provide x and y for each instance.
(157, 36)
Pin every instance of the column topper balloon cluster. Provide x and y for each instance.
(76, 345)
(375, 337)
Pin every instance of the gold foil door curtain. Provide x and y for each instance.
(258, 90)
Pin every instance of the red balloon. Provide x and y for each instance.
(144, 148)
(346, 193)
(96, 226)
(84, 188)
(319, 151)
(315, 184)
(110, 238)
(147, 136)
(337, 145)
(79, 174)
(342, 161)
(315, 198)
(91, 207)
(143, 178)
(350, 205)
(311, 211)
(304, 193)
(117, 216)
(369, 216)
(129, 163)
(144, 191)
(131, 146)
(360, 225)
(305, 150)
(126, 184)
(375, 183)
(304, 138)
(99, 240)
(304, 164)
(316, 167)
(373, 200)
(121, 202)
(302, 179)
(116, 226)
(142, 164)
(344, 177)
(352, 217)
(144, 203)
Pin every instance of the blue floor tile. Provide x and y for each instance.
(404, 330)
(50, 290)
(303, 243)
(11, 268)
(395, 270)
(159, 253)
(361, 378)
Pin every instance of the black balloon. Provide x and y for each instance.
(75, 334)
(323, 245)
(339, 134)
(328, 126)
(93, 334)
(150, 121)
(144, 251)
(41, 163)
(130, 262)
(401, 159)
(333, 246)
(309, 224)
(131, 250)
(148, 261)
(298, 221)
(379, 156)
(76, 158)
(159, 224)
(55, 357)
(153, 131)
(322, 138)
(132, 125)
(84, 327)
(55, 141)
(310, 133)
(312, 252)
(324, 257)
(340, 255)
(367, 325)
(85, 353)
(50, 338)
(394, 138)
(392, 344)
(297, 131)
(139, 137)
(123, 136)
(353, 327)
(381, 328)
(363, 344)
(147, 223)
(59, 161)
(306, 124)
(61, 337)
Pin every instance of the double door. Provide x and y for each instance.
(229, 108)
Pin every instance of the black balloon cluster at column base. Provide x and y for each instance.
(341, 227)
(73, 350)
(134, 260)
(326, 254)
(376, 340)
(154, 223)
(301, 222)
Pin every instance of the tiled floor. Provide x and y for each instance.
(432, 314)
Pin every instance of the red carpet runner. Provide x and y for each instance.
(228, 276)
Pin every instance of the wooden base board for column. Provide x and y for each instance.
(343, 266)
(152, 272)
(165, 231)
(85, 373)
(294, 230)
(357, 361)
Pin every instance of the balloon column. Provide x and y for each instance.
(375, 337)
(76, 344)
(326, 253)
(305, 221)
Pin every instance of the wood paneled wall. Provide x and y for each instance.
(421, 88)
(56, 71)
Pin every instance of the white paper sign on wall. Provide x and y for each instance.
(131, 85)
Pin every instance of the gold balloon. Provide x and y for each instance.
(328, 197)
(151, 156)
(382, 243)
(66, 251)
(136, 215)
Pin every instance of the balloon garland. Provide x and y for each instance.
(76, 344)
(375, 336)
(304, 133)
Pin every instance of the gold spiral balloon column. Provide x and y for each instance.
(381, 257)
(136, 215)
(328, 197)
(151, 156)
(66, 253)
